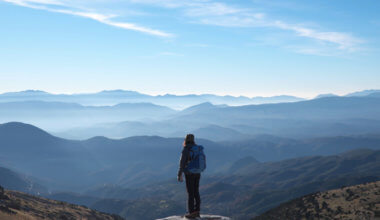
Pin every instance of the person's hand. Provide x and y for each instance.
(179, 178)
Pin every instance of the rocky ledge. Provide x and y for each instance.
(203, 217)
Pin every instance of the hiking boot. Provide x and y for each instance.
(192, 215)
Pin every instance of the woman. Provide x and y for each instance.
(192, 179)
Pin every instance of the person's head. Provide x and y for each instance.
(189, 140)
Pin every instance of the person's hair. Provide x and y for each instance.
(189, 140)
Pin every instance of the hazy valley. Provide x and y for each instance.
(125, 162)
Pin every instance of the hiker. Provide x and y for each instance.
(192, 163)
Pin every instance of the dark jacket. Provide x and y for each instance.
(184, 160)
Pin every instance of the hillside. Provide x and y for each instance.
(79, 165)
(253, 189)
(354, 202)
(15, 181)
(17, 205)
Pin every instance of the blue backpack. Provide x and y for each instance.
(197, 163)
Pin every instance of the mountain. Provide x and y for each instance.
(218, 133)
(15, 181)
(325, 95)
(67, 164)
(375, 94)
(242, 163)
(271, 148)
(276, 99)
(318, 117)
(113, 97)
(200, 107)
(64, 115)
(353, 202)
(363, 93)
(330, 116)
(323, 108)
(135, 161)
(298, 171)
(26, 93)
(17, 205)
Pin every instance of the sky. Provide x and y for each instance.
(230, 47)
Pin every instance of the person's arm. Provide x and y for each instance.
(183, 161)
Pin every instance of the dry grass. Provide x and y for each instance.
(359, 202)
(355, 202)
(21, 206)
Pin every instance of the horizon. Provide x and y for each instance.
(185, 94)
(249, 48)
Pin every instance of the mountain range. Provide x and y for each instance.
(124, 176)
(328, 116)
(258, 155)
(113, 97)
(70, 164)
(62, 115)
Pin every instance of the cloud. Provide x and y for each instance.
(209, 12)
(25, 2)
(100, 17)
(343, 40)
(206, 12)
(214, 9)
(338, 40)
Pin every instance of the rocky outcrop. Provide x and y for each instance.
(203, 217)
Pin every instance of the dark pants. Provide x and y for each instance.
(192, 187)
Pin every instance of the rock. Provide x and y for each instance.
(203, 217)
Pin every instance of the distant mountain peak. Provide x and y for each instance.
(34, 91)
(16, 125)
(27, 92)
(325, 95)
(204, 104)
(201, 106)
(98, 138)
(119, 91)
(19, 128)
(363, 93)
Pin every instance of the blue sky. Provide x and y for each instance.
(250, 47)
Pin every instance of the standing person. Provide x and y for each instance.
(192, 163)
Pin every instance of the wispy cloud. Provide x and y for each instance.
(100, 17)
(221, 14)
(344, 41)
(205, 12)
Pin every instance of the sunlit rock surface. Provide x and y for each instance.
(203, 217)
